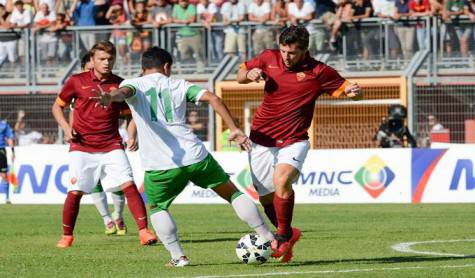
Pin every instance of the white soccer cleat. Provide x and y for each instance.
(181, 262)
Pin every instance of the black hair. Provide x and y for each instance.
(397, 112)
(295, 34)
(155, 58)
(85, 59)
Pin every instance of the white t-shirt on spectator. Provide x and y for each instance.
(233, 12)
(259, 11)
(33, 137)
(211, 9)
(21, 18)
(384, 7)
(40, 17)
(307, 9)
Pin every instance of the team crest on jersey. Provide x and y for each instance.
(300, 76)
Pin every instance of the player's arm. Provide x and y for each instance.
(58, 114)
(132, 144)
(236, 134)
(116, 95)
(245, 76)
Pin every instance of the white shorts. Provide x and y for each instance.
(264, 159)
(86, 169)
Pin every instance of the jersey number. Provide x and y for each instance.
(165, 100)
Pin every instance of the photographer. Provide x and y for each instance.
(392, 132)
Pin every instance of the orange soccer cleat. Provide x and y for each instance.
(284, 250)
(147, 237)
(65, 242)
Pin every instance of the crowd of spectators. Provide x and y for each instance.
(49, 19)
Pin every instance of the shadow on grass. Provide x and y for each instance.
(386, 260)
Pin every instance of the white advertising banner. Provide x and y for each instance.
(444, 175)
(328, 176)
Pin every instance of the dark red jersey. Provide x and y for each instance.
(97, 127)
(286, 113)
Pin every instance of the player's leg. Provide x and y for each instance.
(161, 188)
(209, 174)
(289, 164)
(99, 198)
(83, 170)
(4, 183)
(118, 199)
(261, 161)
(116, 175)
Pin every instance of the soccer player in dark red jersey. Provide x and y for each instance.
(293, 82)
(96, 151)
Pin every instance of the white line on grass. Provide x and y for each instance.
(337, 271)
(406, 247)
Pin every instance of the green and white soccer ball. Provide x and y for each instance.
(253, 249)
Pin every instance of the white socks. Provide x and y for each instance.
(249, 213)
(166, 230)
(100, 200)
(119, 203)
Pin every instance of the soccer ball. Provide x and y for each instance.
(253, 249)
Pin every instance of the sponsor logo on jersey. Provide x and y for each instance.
(374, 176)
(300, 76)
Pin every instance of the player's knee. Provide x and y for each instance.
(76, 192)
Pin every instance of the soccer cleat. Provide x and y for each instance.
(65, 241)
(120, 225)
(147, 237)
(284, 250)
(181, 262)
(110, 228)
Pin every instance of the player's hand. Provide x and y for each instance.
(353, 91)
(132, 144)
(103, 99)
(70, 135)
(242, 141)
(255, 75)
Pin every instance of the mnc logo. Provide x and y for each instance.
(374, 176)
(244, 181)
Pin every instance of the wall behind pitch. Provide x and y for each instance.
(328, 176)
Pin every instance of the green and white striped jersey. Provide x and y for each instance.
(159, 109)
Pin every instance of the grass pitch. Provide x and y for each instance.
(337, 241)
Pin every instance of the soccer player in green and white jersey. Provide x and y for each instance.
(171, 154)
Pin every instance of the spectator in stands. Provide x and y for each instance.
(454, 30)
(392, 132)
(188, 38)
(29, 5)
(63, 37)
(117, 17)
(7, 39)
(259, 12)
(141, 38)
(207, 14)
(361, 9)
(343, 15)
(8, 5)
(279, 14)
(47, 41)
(82, 13)
(161, 13)
(325, 10)
(404, 30)
(21, 18)
(301, 13)
(437, 7)
(233, 13)
(25, 135)
(196, 125)
(100, 10)
(385, 9)
(419, 9)
(53, 5)
(433, 125)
